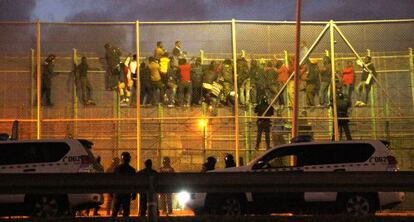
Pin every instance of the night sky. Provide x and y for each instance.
(179, 10)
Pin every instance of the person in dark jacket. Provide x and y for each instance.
(47, 75)
(123, 200)
(254, 73)
(342, 106)
(263, 124)
(145, 83)
(243, 80)
(229, 161)
(209, 165)
(312, 82)
(196, 80)
(84, 82)
(112, 57)
(227, 77)
(147, 171)
(326, 76)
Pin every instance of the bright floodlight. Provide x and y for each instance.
(183, 197)
(202, 123)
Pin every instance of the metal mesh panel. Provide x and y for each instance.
(175, 132)
(16, 70)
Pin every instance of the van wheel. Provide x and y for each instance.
(231, 205)
(48, 206)
(358, 205)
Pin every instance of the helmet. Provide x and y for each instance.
(126, 157)
(264, 100)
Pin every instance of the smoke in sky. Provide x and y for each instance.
(176, 10)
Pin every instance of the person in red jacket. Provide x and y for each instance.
(184, 86)
(348, 77)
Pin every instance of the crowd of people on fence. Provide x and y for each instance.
(174, 79)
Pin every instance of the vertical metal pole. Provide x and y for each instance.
(161, 132)
(330, 110)
(38, 79)
(75, 96)
(202, 56)
(335, 116)
(236, 96)
(288, 91)
(138, 95)
(295, 125)
(33, 88)
(411, 60)
(372, 94)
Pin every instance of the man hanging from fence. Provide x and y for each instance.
(112, 56)
(367, 80)
(85, 84)
(48, 73)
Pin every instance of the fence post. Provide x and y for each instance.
(152, 201)
(202, 56)
(335, 116)
(289, 92)
(75, 96)
(236, 96)
(330, 111)
(372, 104)
(411, 60)
(33, 94)
(38, 79)
(161, 131)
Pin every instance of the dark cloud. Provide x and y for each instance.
(13, 10)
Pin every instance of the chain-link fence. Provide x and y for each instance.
(189, 134)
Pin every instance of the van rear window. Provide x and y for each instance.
(335, 153)
(32, 152)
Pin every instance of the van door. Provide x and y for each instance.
(280, 160)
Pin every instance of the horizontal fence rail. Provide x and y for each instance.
(210, 182)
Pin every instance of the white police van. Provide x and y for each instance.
(46, 156)
(372, 155)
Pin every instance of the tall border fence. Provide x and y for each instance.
(189, 134)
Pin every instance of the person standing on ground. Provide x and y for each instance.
(166, 198)
(111, 169)
(143, 197)
(123, 200)
(229, 161)
(263, 124)
(209, 165)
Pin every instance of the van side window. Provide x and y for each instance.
(279, 158)
(335, 153)
(36, 152)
